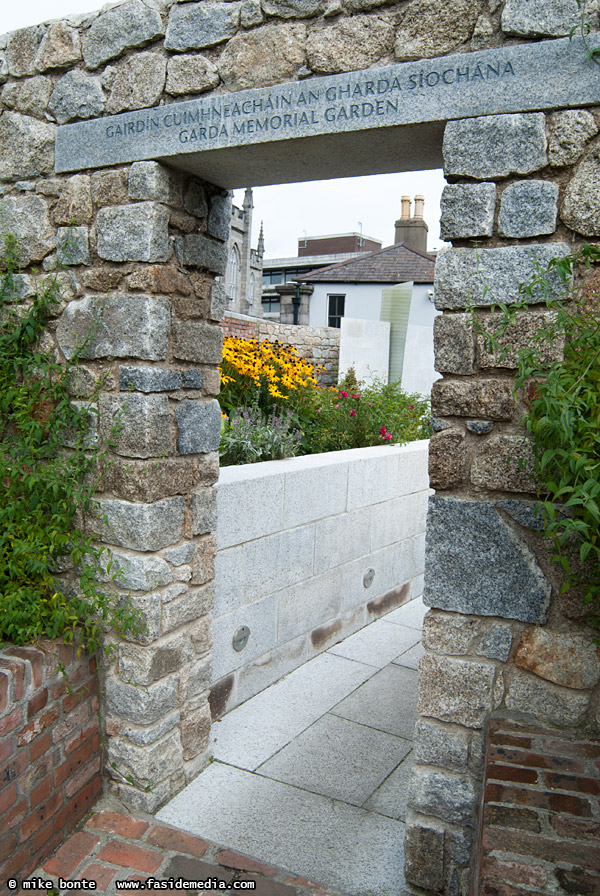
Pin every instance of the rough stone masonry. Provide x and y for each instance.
(493, 89)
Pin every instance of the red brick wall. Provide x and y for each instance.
(244, 329)
(541, 817)
(50, 751)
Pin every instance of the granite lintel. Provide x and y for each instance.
(208, 133)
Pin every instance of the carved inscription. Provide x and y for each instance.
(552, 74)
(297, 108)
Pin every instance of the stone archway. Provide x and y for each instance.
(138, 187)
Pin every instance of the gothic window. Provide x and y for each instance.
(233, 273)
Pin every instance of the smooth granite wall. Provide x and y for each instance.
(309, 550)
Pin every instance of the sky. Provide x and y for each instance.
(288, 212)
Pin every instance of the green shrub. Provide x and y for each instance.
(47, 487)
(355, 417)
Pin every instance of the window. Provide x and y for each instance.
(335, 310)
(232, 274)
(271, 304)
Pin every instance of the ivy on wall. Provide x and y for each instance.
(49, 565)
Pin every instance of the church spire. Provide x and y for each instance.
(260, 249)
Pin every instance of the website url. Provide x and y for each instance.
(180, 883)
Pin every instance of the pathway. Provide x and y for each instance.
(311, 774)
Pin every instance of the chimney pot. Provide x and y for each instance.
(405, 207)
(419, 206)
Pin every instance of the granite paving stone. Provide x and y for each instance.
(377, 644)
(387, 701)
(410, 658)
(410, 614)
(391, 796)
(346, 847)
(338, 758)
(253, 732)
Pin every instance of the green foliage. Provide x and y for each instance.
(563, 419)
(355, 416)
(584, 28)
(309, 419)
(250, 435)
(47, 487)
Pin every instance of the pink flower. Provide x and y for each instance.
(411, 407)
(336, 405)
(353, 413)
(388, 437)
(318, 410)
(382, 431)
(343, 395)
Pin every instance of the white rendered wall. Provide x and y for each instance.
(294, 541)
(363, 301)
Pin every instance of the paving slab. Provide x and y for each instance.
(411, 614)
(377, 644)
(253, 732)
(410, 658)
(343, 846)
(387, 701)
(338, 758)
(391, 797)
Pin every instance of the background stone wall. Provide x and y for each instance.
(50, 751)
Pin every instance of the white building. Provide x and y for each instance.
(394, 284)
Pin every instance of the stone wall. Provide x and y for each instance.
(500, 638)
(311, 549)
(50, 751)
(138, 302)
(320, 345)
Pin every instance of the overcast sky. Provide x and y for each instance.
(337, 206)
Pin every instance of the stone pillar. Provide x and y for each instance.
(141, 246)
(287, 293)
(499, 639)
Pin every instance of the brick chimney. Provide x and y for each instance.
(412, 231)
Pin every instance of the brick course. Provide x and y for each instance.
(50, 751)
(542, 834)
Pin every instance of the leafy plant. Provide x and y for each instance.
(563, 419)
(352, 416)
(48, 472)
(584, 28)
(266, 373)
(249, 435)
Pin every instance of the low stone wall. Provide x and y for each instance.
(321, 345)
(50, 751)
(309, 550)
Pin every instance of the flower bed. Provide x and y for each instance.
(274, 408)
